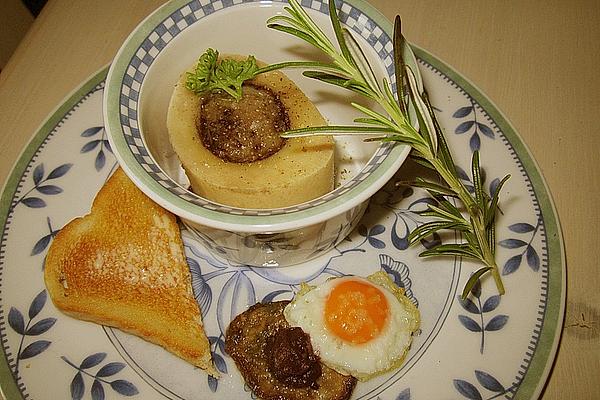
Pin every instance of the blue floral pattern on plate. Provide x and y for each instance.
(480, 348)
(30, 328)
(100, 379)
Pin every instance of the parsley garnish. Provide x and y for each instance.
(212, 73)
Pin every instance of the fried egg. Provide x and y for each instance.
(357, 326)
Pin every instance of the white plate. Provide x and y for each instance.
(488, 347)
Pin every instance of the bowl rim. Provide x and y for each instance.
(211, 214)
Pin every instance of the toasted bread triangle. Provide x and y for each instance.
(123, 265)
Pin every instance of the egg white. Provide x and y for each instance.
(365, 360)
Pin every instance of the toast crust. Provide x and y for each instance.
(123, 265)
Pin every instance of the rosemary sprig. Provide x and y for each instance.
(473, 215)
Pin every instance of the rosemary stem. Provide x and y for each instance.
(473, 209)
(487, 256)
(476, 217)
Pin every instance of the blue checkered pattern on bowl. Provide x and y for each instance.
(172, 26)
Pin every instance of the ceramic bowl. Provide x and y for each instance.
(138, 88)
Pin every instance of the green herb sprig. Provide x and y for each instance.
(473, 215)
(212, 73)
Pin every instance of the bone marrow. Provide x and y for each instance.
(232, 159)
(245, 130)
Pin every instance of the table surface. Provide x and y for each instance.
(537, 61)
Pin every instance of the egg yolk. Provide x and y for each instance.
(356, 311)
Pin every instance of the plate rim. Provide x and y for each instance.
(9, 386)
